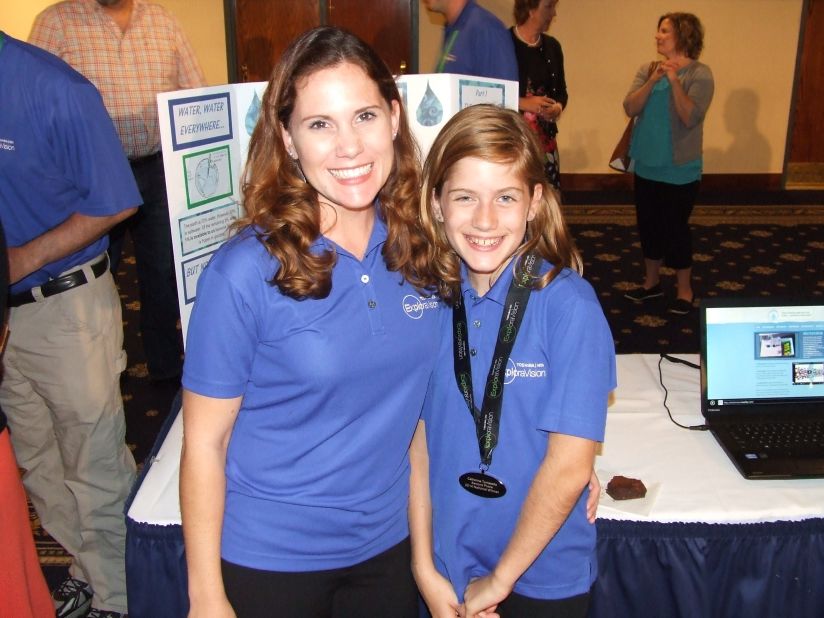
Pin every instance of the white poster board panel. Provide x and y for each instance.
(204, 133)
(432, 99)
(205, 136)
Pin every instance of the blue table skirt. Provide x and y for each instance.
(645, 570)
(709, 570)
(156, 571)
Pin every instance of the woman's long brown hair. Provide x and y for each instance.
(284, 209)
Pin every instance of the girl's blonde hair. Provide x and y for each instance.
(500, 135)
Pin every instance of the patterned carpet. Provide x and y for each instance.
(738, 250)
(742, 251)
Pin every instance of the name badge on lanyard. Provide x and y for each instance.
(488, 418)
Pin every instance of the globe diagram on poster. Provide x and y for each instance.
(207, 177)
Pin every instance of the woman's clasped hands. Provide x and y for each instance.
(547, 108)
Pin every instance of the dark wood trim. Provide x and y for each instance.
(741, 182)
(229, 8)
(596, 182)
(731, 189)
(412, 66)
(616, 181)
(802, 27)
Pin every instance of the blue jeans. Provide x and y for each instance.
(152, 239)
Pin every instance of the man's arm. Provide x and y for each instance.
(73, 234)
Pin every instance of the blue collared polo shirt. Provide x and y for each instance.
(558, 378)
(317, 467)
(59, 154)
(478, 44)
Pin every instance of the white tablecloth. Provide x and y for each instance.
(688, 476)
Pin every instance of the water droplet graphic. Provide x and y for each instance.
(252, 114)
(430, 111)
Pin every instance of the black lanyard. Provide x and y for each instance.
(488, 418)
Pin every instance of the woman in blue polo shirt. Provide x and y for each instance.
(308, 354)
(518, 400)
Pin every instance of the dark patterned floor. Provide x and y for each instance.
(742, 251)
(738, 251)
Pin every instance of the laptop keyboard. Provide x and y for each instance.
(793, 439)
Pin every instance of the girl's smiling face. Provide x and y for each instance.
(485, 207)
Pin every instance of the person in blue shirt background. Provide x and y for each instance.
(308, 354)
(64, 183)
(475, 42)
(498, 502)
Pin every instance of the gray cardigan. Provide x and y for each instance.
(687, 139)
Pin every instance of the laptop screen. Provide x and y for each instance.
(758, 355)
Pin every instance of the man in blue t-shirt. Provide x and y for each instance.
(475, 42)
(64, 182)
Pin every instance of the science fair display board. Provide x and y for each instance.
(431, 100)
(205, 132)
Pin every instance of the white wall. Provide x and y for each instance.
(750, 45)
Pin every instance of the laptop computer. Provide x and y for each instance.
(762, 384)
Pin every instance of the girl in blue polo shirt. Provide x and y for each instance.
(308, 354)
(505, 448)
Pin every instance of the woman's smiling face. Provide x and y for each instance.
(342, 131)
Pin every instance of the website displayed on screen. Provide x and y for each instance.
(764, 355)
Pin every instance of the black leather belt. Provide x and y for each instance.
(146, 159)
(61, 284)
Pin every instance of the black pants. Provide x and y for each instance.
(663, 211)
(378, 587)
(152, 239)
(518, 606)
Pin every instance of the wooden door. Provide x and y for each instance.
(805, 150)
(257, 31)
(385, 24)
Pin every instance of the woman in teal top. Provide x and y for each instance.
(666, 148)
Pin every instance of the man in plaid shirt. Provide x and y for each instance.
(132, 50)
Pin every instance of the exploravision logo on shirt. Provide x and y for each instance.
(6, 144)
(414, 306)
(518, 369)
